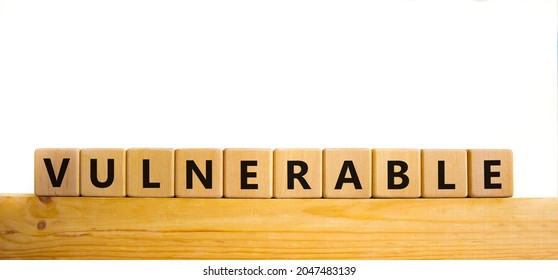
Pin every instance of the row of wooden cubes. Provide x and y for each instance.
(279, 173)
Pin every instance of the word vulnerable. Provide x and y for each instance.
(279, 173)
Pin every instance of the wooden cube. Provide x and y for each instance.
(198, 173)
(57, 172)
(248, 173)
(103, 172)
(490, 173)
(396, 173)
(150, 172)
(444, 173)
(297, 173)
(347, 173)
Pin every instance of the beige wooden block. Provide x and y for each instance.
(444, 173)
(248, 173)
(103, 172)
(297, 173)
(57, 172)
(198, 173)
(490, 173)
(347, 173)
(396, 173)
(150, 172)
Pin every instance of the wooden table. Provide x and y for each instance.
(177, 228)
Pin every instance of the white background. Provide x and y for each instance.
(386, 74)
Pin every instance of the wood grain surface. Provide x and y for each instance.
(194, 228)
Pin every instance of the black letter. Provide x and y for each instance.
(206, 181)
(291, 176)
(348, 166)
(244, 174)
(146, 183)
(489, 174)
(401, 174)
(442, 177)
(110, 174)
(56, 182)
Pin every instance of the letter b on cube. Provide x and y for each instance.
(396, 173)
